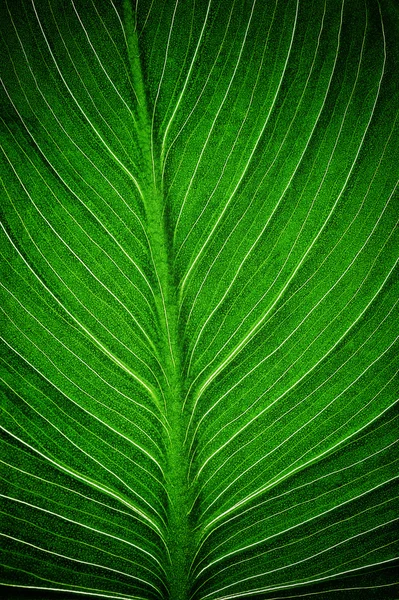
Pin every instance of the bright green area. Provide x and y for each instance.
(199, 299)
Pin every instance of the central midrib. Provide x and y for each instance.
(179, 534)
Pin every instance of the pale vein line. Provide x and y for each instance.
(199, 96)
(92, 101)
(227, 203)
(345, 541)
(66, 133)
(83, 562)
(238, 136)
(276, 205)
(314, 308)
(51, 589)
(214, 123)
(308, 581)
(314, 417)
(81, 334)
(86, 233)
(80, 425)
(99, 61)
(288, 474)
(297, 431)
(105, 350)
(320, 442)
(146, 18)
(120, 163)
(291, 491)
(55, 232)
(307, 537)
(145, 519)
(256, 326)
(74, 492)
(83, 362)
(124, 37)
(334, 247)
(89, 456)
(308, 279)
(285, 189)
(60, 124)
(299, 524)
(119, 433)
(159, 87)
(346, 589)
(177, 104)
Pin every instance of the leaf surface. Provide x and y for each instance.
(199, 299)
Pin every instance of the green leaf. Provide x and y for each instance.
(199, 299)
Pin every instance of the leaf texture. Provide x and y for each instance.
(199, 299)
